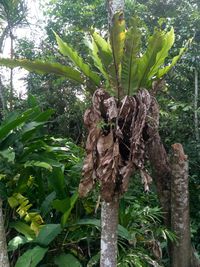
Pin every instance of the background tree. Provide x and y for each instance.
(13, 15)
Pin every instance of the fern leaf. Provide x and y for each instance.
(42, 67)
(129, 61)
(66, 50)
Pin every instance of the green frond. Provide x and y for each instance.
(42, 67)
(67, 51)
(130, 58)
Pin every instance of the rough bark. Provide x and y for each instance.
(163, 174)
(159, 161)
(4, 262)
(180, 223)
(109, 223)
(114, 6)
(196, 119)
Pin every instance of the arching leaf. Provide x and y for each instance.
(66, 50)
(168, 41)
(166, 69)
(106, 56)
(129, 61)
(95, 56)
(117, 38)
(47, 234)
(66, 260)
(148, 60)
(104, 50)
(42, 67)
(31, 257)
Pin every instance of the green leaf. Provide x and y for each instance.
(166, 69)
(168, 41)
(66, 50)
(14, 243)
(61, 205)
(117, 38)
(41, 164)
(104, 50)
(66, 215)
(67, 260)
(148, 60)
(23, 228)
(29, 129)
(15, 122)
(46, 204)
(94, 52)
(129, 61)
(44, 116)
(57, 181)
(31, 257)
(106, 55)
(47, 234)
(42, 67)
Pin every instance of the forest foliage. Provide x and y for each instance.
(41, 140)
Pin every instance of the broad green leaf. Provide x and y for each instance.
(14, 243)
(104, 50)
(47, 234)
(61, 205)
(106, 56)
(147, 61)
(166, 69)
(44, 116)
(23, 228)
(66, 260)
(46, 204)
(57, 181)
(15, 122)
(41, 164)
(168, 41)
(29, 129)
(94, 52)
(129, 61)
(31, 257)
(66, 50)
(66, 215)
(117, 38)
(42, 67)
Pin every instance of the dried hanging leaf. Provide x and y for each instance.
(115, 146)
(146, 180)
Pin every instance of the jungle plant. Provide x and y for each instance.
(130, 73)
(34, 173)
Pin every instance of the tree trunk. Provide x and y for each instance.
(114, 6)
(180, 222)
(159, 161)
(109, 223)
(196, 121)
(4, 262)
(163, 177)
(109, 210)
(11, 70)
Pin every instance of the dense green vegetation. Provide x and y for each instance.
(42, 142)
